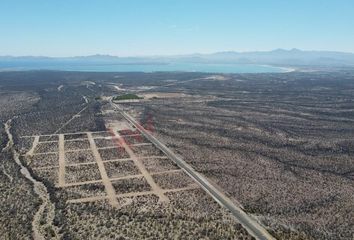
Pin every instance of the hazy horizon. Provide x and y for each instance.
(176, 55)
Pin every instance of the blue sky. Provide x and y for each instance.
(163, 27)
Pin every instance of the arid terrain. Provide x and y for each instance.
(279, 146)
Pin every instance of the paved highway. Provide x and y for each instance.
(252, 226)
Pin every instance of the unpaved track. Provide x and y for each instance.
(133, 194)
(47, 209)
(156, 188)
(100, 181)
(105, 180)
(61, 176)
(71, 119)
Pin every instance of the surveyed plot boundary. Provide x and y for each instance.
(119, 142)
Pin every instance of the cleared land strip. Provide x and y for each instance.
(252, 226)
(100, 180)
(106, 182)
(78, 150)
(131, 145)
(167, 171)
(119, 178)
(61, 161)
(45, 168)
(71, 119)
(132, 194)
(56, 134)
(140, 144)
(83, 163)
(179, 82)
(105, 161)
(131, 135)
(48, 141)
(150, 157)
(77, 133)
(156, 188)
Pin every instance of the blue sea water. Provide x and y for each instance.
(154, 67)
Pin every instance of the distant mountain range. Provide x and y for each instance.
(281, 57)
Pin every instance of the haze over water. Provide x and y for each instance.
(182, 67)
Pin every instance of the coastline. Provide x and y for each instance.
(176, 67)
(285, 69)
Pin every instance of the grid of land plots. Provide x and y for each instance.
(106, 165)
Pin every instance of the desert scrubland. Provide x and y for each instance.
(279, 145)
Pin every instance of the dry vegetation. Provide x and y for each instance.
(131, 185)
(159, 164)
(82, 173)
(146, 150)
(43, 160)
(280, 145)
(144, 218)
(46, 147)
(120, 169)
(173, 180)
(113, 153)
(79, 157)
(87, 190)
(77, 145)
(16, 213)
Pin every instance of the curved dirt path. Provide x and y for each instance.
(46, 210)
